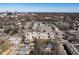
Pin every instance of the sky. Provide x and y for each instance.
(39, 7)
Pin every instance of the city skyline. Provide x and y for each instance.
(40, 7)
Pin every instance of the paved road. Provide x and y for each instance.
(15, 47)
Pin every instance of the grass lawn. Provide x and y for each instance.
(4, 46)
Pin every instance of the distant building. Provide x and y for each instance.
(9, 14)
